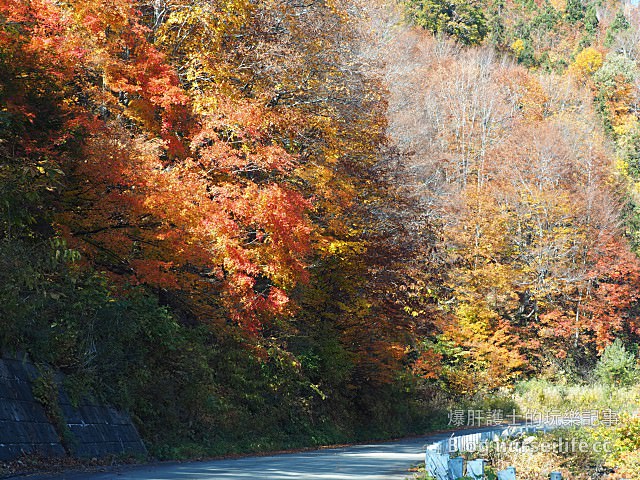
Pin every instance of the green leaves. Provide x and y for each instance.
(617, 366)
(463, 20)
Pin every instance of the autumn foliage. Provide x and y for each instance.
(170, 161)
(324, 211)
(531, 271)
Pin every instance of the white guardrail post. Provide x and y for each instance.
(440, 466)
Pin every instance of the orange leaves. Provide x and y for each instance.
(235, 142)
(155, 272)
(250, 229)
(178, 228)
(136, 79)
(165, 192)
(40, 30)
(528, 209)
(615, 278)
(104, 17)
(429, 365)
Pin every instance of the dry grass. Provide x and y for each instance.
(542, 396)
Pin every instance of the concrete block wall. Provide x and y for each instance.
(96, 430)
(24, 426)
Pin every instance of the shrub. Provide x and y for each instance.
(616, 366)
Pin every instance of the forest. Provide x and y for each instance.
(266, 224)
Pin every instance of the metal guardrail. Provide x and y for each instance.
(441, 466)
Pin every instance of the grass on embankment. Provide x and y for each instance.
(543, 396)
(608, 450)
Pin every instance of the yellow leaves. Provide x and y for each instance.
(517, 47)
(96, 16)
(205, 104)
(586, 63)
(332, 157)
(196, 33)
(625, 124)
(196, 26)
(412, 312)
(345, 248)
(486, 352)
(559, 5)
(621, 166)
(534, 99)
(474, 321)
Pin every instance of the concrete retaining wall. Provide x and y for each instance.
(93, 430)
(24, 426)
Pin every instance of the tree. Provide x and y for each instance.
(587, 62)
(620, 24)
(180, 196)
(237, 197)
(616, 367)
(463, 20)
(574, 11)
(518, 183)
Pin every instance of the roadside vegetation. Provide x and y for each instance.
(579, 453)
(593, 425)
(614, 384)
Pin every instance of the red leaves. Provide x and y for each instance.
(155, 272)
(429, 365)
(616, 280)
(220, 221)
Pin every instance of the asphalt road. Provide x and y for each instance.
(388, 461)
(376, 461)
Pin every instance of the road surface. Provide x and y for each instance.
(379, 461)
